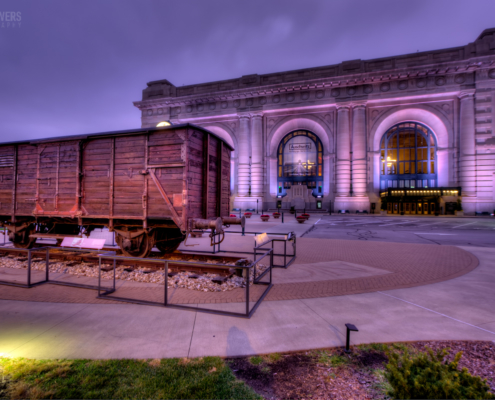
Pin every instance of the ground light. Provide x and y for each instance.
(163, 123)
(350, 328)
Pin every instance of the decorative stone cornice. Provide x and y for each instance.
(466, 94)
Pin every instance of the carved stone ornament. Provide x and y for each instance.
(461, 78)
(374, 114)
(290, 97)
(249, 102)
(224, 104)
(200, 107)
(150, 112)
(188, 108)
(421, 82)
(237, 103)
(385, 87)
(403, 85)
(276, 98)
(160, 111)
(368, 89)
(212, 106)
(446, 108)
(335, 92)
(177, 110)
(440, 81)
(320, 94)
(351, 91)
(305, 95)
(491, 73)
(262, 100)
(271, 122)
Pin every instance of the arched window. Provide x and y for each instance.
(408, 157)
(300, 162)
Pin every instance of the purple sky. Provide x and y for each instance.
(76, 67)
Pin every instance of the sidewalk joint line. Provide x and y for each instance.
(328, 322)
(436, 312)
(192, 334)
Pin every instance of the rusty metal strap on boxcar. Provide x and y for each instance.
(175, 216)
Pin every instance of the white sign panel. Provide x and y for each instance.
(83, 243)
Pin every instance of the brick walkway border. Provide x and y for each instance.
(409, 265)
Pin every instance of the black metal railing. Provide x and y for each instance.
(166, 303)
(29, 283)
(287, 238)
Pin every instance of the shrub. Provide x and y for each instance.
(426, 376)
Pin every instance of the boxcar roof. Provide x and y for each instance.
(116, 133)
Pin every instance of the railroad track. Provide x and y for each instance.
(220, 265)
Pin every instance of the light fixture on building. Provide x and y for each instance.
(163, 123)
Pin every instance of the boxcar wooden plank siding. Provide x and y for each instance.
(105, 180)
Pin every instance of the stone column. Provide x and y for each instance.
(243, 152)
(359, 150)
(257, 155)
(467, 151)
(343, 152)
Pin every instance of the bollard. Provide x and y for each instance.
(350, 328)
(240, 212)
(282, 217)
(243, 232)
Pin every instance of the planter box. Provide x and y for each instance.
(248, 215)
(459, 213)
(276, 216)
(301, 220)
(383, 212)
(264, 219)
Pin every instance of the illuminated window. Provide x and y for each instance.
(408, 155)
(300, 160)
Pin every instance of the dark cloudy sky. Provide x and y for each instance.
(76, 66)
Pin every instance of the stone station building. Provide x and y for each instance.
(415, 131)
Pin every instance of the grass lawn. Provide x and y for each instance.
(201, 378)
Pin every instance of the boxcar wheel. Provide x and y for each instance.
(137, 247)
(168, 240)
(22, 239)
(169, 246)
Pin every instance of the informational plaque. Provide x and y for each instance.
(83, 243)
(261, 239)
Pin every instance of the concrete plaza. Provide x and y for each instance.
(390, 291)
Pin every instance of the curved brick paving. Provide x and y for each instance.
(407, 264)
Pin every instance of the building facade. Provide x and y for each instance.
(412, 134)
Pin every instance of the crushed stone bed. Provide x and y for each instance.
(184, 280)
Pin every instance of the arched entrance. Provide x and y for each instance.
(300, 168)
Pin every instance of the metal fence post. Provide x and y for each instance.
(47, 268)
(247, 290)
(165, 300)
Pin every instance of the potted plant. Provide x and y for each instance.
(248, 214)
(264, 217)
(233, 215)
(305, 215)
(301, 219)
(292, 210)
(459, 212)
(276, 215)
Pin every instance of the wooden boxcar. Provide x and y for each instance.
(151, 186)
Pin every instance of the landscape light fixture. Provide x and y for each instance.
(350, 328)
(163, 123)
